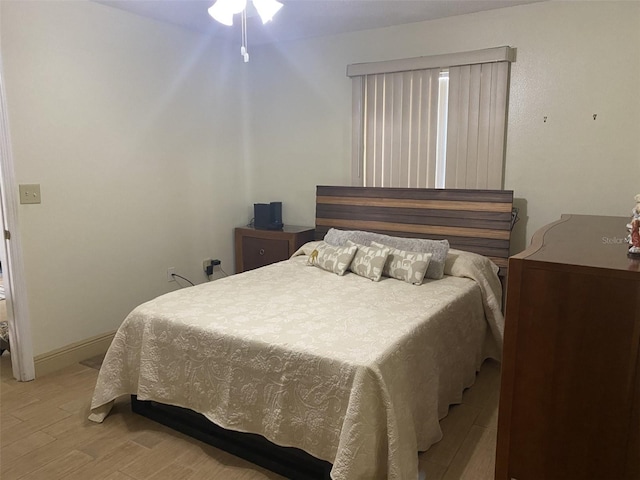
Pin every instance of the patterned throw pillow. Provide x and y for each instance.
(369, 261)
(438, 248)
(331, 258)
(408, 266)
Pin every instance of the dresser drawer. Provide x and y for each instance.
(258, 252)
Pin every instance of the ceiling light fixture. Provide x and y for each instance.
(224, 10)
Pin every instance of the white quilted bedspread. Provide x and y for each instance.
(354, 372)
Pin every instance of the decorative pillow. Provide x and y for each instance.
(369, 261)
(438, 248)
(408, 266)
(332, 258)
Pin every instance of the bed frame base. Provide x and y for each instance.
(289, 462)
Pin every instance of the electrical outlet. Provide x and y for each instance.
(216, 264)
(170, 272)
(206, 264)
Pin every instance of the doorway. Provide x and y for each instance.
(13, 284)
(5, 336)
(4, 325)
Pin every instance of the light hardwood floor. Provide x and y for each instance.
(45, 434)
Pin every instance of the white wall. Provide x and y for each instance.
(128, 126)
(151, 144)
(574, 59)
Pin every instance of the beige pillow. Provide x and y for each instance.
(438, 248)
(331, 258)
(369, 262)
(403, 265)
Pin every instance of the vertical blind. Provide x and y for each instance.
(399, 122)
(477, 125)
(395, 120)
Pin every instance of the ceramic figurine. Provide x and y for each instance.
(634, 229)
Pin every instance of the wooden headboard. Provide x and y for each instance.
(478, 221)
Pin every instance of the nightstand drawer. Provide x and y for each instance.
(259, 252)
(257, 248)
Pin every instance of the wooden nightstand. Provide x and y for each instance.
(257, 248)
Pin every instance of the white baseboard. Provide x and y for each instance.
(74, 353)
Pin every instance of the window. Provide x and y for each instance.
(443, 114)
(434, 121)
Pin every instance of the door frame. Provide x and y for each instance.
(11, 255)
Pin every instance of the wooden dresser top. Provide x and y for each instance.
(584, 240)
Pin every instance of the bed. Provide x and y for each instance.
(353, 374)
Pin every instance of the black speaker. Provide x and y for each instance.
(267, 216)
(275, 216)
(261, 216)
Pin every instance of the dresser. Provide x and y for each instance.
(570, 386)
(256, 248)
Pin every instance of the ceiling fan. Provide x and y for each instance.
(224, 10)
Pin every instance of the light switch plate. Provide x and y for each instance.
(29, 193)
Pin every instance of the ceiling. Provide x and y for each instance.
(306, 18)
